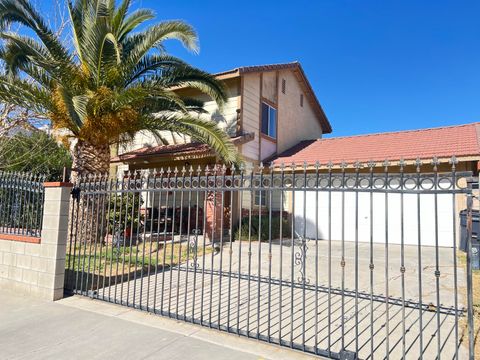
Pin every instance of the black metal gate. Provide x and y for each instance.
(341, 261)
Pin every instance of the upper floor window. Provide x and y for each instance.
(269, 120)
(301, 100)
(284, 85)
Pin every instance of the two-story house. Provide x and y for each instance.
(270, 108)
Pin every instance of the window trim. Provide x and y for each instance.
(274, 107)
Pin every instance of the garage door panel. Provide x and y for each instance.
(371, 214)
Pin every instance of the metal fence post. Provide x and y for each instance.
(469, 273)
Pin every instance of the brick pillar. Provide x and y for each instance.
(54, 239)
(213, 215)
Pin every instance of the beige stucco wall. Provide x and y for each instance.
(226, 118)
(251, 114)
(267, 148)
(269, 86)
(295, 123)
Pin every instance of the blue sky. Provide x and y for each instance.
(374, 65)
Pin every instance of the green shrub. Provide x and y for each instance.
(124, 212)
(242, 232)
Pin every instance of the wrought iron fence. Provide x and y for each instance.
(21, 203)
(348, 261)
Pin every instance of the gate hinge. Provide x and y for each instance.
(75, 193)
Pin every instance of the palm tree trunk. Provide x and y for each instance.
(90, 215)
(90, 159)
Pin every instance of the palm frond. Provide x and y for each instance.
(155, 35)
(190, 77)
(73, 107)
(151, 64)
(24, 94)
(203, 131)
(22, 12)
(100, 48)
(129, 24)
(119, 15)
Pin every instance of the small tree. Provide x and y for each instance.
(123, 213)
(36, 152)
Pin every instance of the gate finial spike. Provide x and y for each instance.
(453, 160)
(343, 165)
(401, 163)
(435, 163)
(242, 168)
(386, 164)
(418, 164)
(371, 164)
(357, 165)
(330, 165)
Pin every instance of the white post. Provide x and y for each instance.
(54, 239)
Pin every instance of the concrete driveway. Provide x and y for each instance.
(268, 306)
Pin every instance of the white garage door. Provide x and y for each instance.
(312, 211)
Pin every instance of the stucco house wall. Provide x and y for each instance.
(297, 123)
(250, 115)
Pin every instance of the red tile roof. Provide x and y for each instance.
(160, 151)
(166, 151)
(461, 141)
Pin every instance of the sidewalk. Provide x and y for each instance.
(79, 328)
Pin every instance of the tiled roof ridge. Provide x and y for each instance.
(263, 66)
(399, 132)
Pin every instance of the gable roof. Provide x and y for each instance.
(442, 142)
(301, 77)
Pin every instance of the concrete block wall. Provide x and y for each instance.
(36, 266)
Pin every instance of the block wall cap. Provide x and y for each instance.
(21, 238)
(57, 184)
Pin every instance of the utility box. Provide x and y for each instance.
(475, 233)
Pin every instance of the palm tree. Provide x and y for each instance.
(114, 81)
